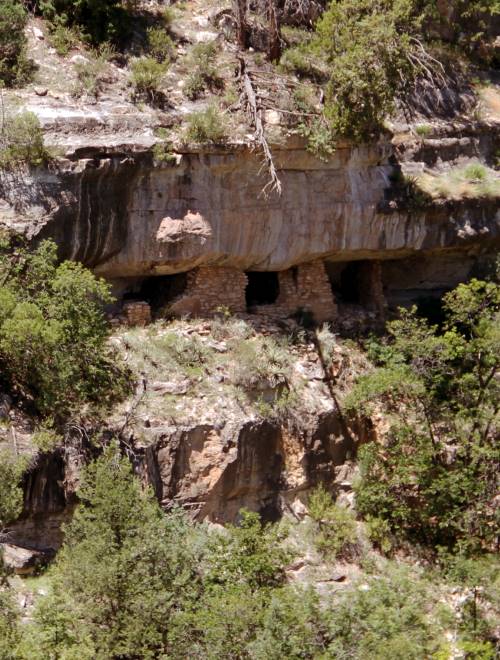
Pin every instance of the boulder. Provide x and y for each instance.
(23, 561)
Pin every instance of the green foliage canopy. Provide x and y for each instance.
(435, 477)
(133, 582)
(54, 353)
(14, 67)
(99, 20)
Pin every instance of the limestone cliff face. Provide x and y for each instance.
(126, 216)
(259, 465)
(212, 472)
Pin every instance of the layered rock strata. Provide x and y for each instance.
(129, 218)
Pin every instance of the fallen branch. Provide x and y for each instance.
(274, 184)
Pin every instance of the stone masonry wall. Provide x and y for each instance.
(211, 287)
(306, 286)
(137, 313)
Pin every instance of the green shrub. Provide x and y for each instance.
(387, 616)
(22, 141)
(479, 608)
(432, 477)
(203, 70)
(146, 77)
(168, 16)
(11, 494)
(370, 54)
(46, 439)
(367, 49)
(379, 533)
(205, 126)
(121, 607)
(10, 631)
(320, 137)
(63, 38)
(99, 20)
(163, 151)
(14, 67)
(303, 63)
(335, 525)
(250, 553)
(160, 44)
(54, 352)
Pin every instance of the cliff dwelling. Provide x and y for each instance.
(355, 294)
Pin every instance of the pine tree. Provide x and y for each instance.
(124, 569)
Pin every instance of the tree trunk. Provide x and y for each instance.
(274, 46)
(240, 12)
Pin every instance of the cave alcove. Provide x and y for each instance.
(158, 290)
(263, 288)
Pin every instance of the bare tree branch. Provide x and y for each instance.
(274, 183)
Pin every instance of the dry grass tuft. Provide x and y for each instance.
(474, 181)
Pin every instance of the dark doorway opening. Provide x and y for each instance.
(160, 290)
(345, 281)
(350, 283)
(262, 288)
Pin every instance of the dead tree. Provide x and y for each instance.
(255, 112)
(242, 32)
(274, 45)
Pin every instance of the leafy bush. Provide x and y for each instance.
(54, 353)
(11, 495)
(379, 533)
(385, 617)
(120, 607)
(46, 439)
(99, 20)
(423, 130)
(160, 44)
(9, 623)
(169, 588)
(250, 553)
(11, 504)
(371, 53)
(434, 478)
(301, 61)
(203, 70)
(336, 528)
(163, 151)
(62, 38)
(146, 77)
(14, 67)
(205, 126)
(22, 141)
(479, 580)
(368, 47)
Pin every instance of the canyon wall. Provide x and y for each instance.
(125, 216)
